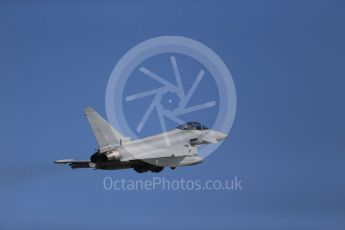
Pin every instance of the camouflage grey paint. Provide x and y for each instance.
(172, 149)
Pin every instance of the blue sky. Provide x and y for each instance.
(286, 144)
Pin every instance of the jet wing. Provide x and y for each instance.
(76, 163)
(179, 152)
(171, 157)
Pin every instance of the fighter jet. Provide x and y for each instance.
(174, 148)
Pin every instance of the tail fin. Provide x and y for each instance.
(105, 134)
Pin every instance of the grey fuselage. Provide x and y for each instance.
(178, 147)
(174, 148)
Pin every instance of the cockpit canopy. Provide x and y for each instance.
(192, 126)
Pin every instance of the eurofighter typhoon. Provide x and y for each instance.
(174, 148)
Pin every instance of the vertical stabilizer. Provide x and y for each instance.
(105, 134)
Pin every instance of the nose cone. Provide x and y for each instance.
(213, 137)
(220, 136)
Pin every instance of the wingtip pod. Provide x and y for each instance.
(65, 161)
